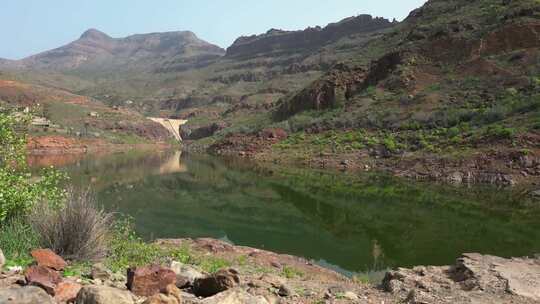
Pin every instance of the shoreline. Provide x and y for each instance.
(265, 277)
(60, 151)
(506, 168)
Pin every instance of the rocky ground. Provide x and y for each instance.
(262, 277)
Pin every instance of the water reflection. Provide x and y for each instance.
(351, 223)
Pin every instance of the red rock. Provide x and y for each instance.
(47, 258)
(43, 277)
(67, 292)
(149, 280)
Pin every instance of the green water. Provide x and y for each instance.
(352, 223)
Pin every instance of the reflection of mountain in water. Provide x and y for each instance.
(357, 223)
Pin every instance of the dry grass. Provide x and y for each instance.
(77, 230)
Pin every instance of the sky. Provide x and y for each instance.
(28, 27)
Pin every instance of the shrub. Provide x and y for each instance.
(390, 143)
(18, 193)
(77, 229)
(17, 239)
(500, 132)
(127, 249)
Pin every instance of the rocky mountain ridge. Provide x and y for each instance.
(95, 50)
(311, 38)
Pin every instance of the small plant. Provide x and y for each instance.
(390, 143)
(213, 264)
(361, 278)
(290, 272)
(76, 230)
(434, 87)
(17, 239)
(126, 249)
(500, 132)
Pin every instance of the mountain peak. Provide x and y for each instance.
(94, 35)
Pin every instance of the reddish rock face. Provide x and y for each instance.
(66, 292)
(149, 280)
(47, 258)
(43, 277)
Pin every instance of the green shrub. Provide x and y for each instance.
(390, 143)
(290, 272)
(500, 132)
(18, 191)
(17, 239)
(126, 249)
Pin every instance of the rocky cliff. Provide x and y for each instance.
(314, 37)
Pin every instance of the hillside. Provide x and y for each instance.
(451, 93)
(66, 122)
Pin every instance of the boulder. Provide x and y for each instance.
(99, 271)
(43, 277)
(149, 280)
(482, 277)
(66, 292)
(202, 132)
(25, 295)
(2, 259)
(235, 296)
(185, 274)
(171, 295)
(93, 294)
(47, 258)
(285, 291)
(218, 282)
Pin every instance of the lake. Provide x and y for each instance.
(353, 223)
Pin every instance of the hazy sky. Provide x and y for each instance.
(31, 26)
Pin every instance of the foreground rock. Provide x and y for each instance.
(47, 258)
(216, 283)
(185, 274)
(103, 295)
(25, 295)
(100, 272)
(235, 296)
(150, 280)
(474, 278)
(43, 277)
(66, 292)
(171, 295)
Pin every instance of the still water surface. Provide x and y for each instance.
(352, 223)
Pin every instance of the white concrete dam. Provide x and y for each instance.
(172, 125)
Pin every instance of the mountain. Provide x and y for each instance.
(275, 41)
(451, 92)
(97, 51)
